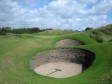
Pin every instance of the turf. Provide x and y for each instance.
(15, 54)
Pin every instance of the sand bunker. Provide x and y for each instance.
(68, 42)
(59, 69)
(62, 63)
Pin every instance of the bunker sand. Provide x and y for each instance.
(59, 69)
(68, 42)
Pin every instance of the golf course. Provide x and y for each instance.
(21, 54)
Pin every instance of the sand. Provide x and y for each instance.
(68, 42)
(59, 69)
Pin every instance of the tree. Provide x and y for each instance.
(34, 30)
(3, 31)
(88, 28)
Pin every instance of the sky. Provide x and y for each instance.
(57, 14)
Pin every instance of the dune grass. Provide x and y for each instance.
(102, 34)
(15, 54)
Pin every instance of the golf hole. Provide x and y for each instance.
(62, 63)
(68, 42)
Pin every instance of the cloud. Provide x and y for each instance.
(64, 14)
(88, 1)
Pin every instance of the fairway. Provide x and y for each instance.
(16, 53)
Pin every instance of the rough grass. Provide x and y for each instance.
(15, 54)
(102, 34)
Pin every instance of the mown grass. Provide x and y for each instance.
(57, 32)
(15, 54)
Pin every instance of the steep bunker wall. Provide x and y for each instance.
(62, 63)
(68, 42)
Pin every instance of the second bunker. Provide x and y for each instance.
(62, 63)
(68, 42)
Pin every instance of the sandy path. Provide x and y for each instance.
(64, 69)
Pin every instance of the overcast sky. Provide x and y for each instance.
(61, 14)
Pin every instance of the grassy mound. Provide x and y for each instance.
(57, 32)
(102, 34)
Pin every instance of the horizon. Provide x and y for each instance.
(62, 14)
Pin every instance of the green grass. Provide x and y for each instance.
(57, 32)
(15, 54)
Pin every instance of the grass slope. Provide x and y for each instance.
(57, 32)
(15, 54)
(101, 34)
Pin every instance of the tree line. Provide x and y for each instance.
(5, 30)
